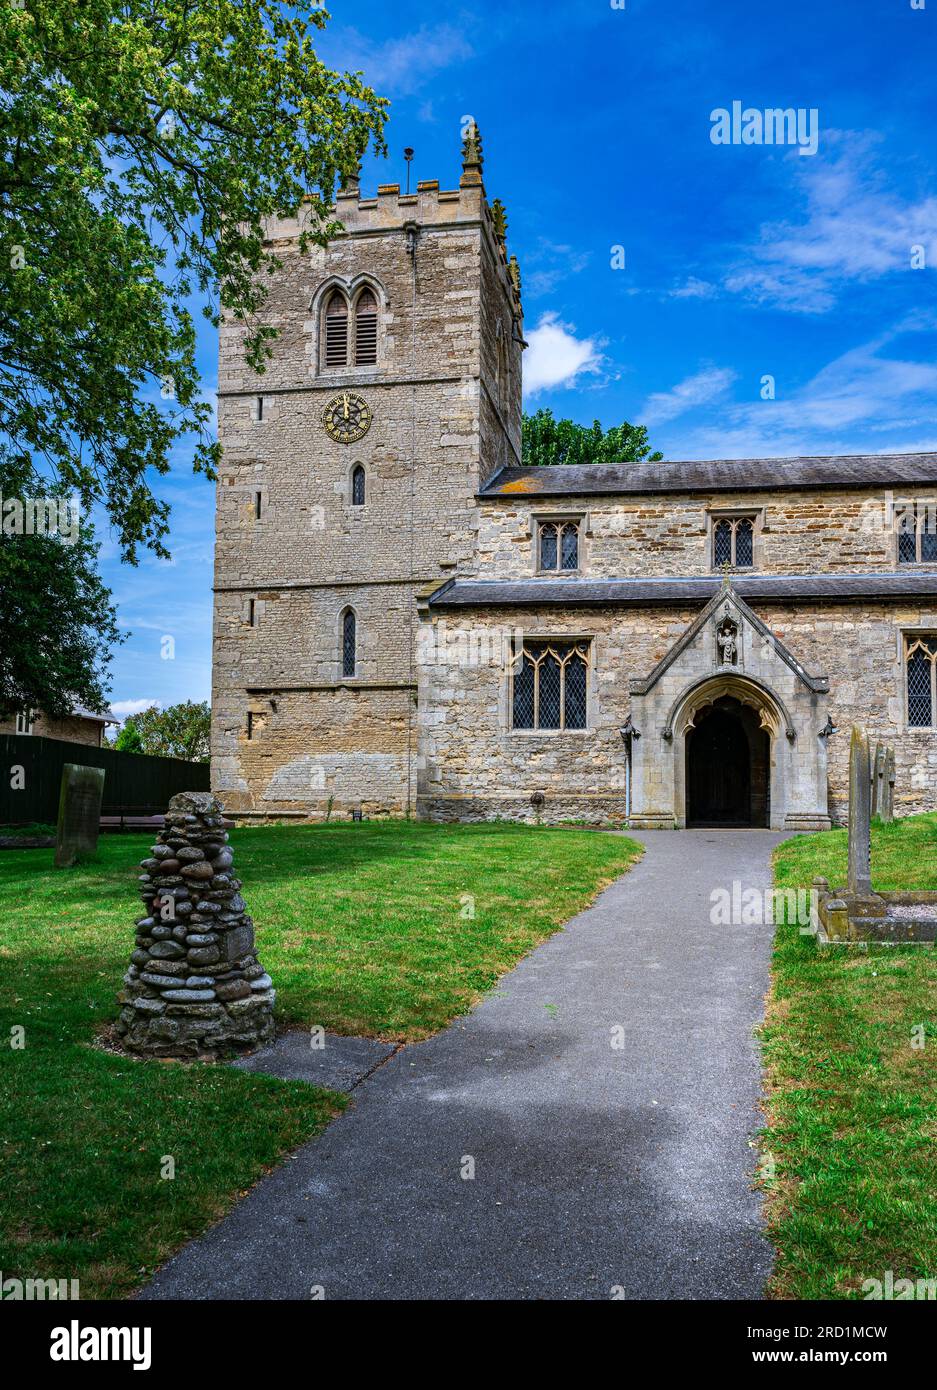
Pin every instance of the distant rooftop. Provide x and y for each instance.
(715, 475)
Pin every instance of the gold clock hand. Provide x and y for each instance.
(345, 399)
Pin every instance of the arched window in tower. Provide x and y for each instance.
(357, 486)
(366, 330)
(349, 642)
(336, 331)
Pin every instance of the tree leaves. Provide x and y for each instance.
(551, 441)
(142, 145)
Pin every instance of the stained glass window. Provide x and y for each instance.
(349, 642)
(551, 686)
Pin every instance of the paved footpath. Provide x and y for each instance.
(596, 1167)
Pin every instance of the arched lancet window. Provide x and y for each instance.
(922, 681)
(336, 331)
(559, 545)
(357, 486)
(349, 642)
(734, 542)
(366, 329)
(550, 688)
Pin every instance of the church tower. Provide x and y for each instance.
(348, 487)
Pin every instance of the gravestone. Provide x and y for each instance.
(888, 810)
(878, 780)
(195, 986)
(859, 875)
(79, 814)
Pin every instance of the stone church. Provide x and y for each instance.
(409, 621)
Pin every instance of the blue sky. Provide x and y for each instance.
(740, 261)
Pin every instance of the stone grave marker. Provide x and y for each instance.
(888, 810)
(79, 814)
(859, 876)
(878, 780)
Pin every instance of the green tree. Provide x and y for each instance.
(57, 622)
(548, 440)
(128, 739)
(142, 144)
(181, 731)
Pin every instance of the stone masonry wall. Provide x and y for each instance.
(803, 532)
(473, 765)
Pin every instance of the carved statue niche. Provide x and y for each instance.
(727, 642)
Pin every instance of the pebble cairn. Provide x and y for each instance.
(195, 987)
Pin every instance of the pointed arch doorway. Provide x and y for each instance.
(728, 766)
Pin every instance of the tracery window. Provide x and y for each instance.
(559, 545)
(550, 686)
(349, 642)
(734, 542)
(921, 664)
(366, 329)
(917, 536)
(336, 331)
(357, 486)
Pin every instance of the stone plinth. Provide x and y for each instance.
(195, 986)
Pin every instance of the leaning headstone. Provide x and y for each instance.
(878, 780)
(80, 798)
(859, 875)
(195, 986)
(888, 809)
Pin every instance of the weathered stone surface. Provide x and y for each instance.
(859, 875)
(174, 966)
(79, 814)
(237, 941)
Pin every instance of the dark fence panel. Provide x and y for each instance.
(135, 785)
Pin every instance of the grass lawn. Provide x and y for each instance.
(852, 1104)
(365, 929)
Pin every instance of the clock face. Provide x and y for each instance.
(346, 418)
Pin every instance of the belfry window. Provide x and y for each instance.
(366, 330)
(550, 686)
(558, 545)
(357, 486)
(734, 542)
(921, 664)
(349, 642)
(336, 331)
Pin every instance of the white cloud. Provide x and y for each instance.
(693, 288)
(866, 400)
(851, 229)
(124, 708)
(701, 389)
(556, 357)
(400, 67)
